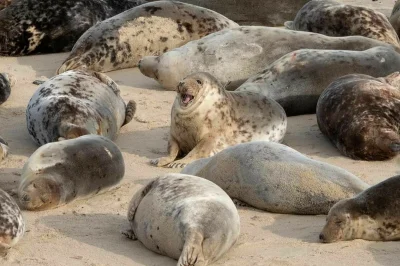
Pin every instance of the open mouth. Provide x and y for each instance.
(186, 99)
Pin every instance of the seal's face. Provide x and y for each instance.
(338, 224)
(40, 194)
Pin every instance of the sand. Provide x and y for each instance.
(87, 232)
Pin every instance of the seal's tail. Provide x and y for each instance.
(129, 112)
(288, 25)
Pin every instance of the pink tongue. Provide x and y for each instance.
(187, 99)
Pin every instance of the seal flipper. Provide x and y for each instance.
(288, 25)
(133, 205)
(107, 80)
(71, 131)
(173, 152)
(129, 112)
(192, 252)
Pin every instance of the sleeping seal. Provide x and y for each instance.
(275, 178)
(184, 217)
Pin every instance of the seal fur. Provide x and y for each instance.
(275, 178)
(150, 29)
(335, 19)
(77, 103)
(205, 119)
(360, 116)
(6, 82)
(3, 149)
(184, 217)
(372, 215)
(60, 172)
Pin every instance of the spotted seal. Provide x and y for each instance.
(360, 116)
(297, 79)
(12, 224)
(150, 29)
(394, 18)
(234, 55)
(335, 19)
(184, 217)
(371, 215)
(205, 119)
(60, 172)
(76, 103)
(51, 26)
(275, 178)
(6, 82)
(3, 149)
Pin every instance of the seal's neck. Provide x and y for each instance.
(364, 227)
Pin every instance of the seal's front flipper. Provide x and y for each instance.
(192, 252)
(129, 234)
(173, 151)
(129, 112)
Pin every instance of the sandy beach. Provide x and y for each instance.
(87, 232)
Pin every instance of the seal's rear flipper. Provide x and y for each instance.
(288, 25)
(395, 147)
(129, 112)
(71, 131)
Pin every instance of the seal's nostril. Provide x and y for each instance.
(321, 236)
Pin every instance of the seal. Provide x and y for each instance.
(60, 172)
(335, 19)
(6, 82)
(234, 55)
(206, 119)
(359, 115)
(373, 215)
(297, 79)
(3, 149)
(77, 103)
(52, 26)
(394, 18)
(184, 217)
(5, 3)
(12, 224)
(150, 29)
(275, 178)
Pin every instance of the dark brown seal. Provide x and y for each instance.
(360, 115)
(335, 19)
(374, 214)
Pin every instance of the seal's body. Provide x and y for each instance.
(60, 172)
(206, 119)
(184, 217)
(360, 116)
(150, 29)
(77, 103)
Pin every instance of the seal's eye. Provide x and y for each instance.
(339, 222)
(199, 81)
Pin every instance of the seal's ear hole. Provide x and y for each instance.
(199, 81)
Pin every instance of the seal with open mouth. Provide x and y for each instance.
(206, 119)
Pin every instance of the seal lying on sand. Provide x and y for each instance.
(371, 215)
(3, 149)
(234, 55)
(77, 103)
(51, 26)
(275, 178)
(12, 224)
(206, 119)
(360, 116)
(297, 79)
(184, 217)
(150, 29)
(60, 172)
(395, 17)
(335, 19)
(6, 82)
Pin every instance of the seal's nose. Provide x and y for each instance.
(322, 237)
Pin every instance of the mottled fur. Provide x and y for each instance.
(60, 172)
(216, 119)
(234, 55)
(371, 215)
(3, 149)
(6, 82)
(335, 19)
(12, 224)
(150, 29)
(77, 103)
(51, 26)
(184, 217)
(275, 178)
(360, 115)
(395, 17)
(297, 79)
